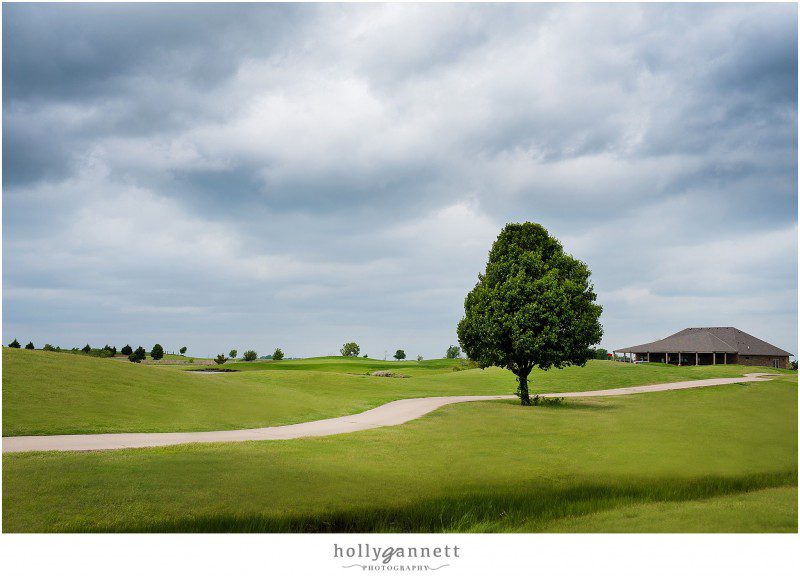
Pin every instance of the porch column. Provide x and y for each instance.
(726, 357)
(697, 358)
(714, 356)
(648, 356)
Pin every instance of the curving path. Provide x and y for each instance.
(390, 414)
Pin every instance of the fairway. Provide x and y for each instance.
(721, 459)
(53, 393)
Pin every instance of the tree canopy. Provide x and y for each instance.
(249, 355)
(278, 354)
(453, 352)
(350, 349)
(534, 306)
(157, 352)
(138, 355)
(14, 344)
(399, 355)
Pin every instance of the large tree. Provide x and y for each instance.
(533, 307)
(350, 349)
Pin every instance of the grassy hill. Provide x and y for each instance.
(718, 459)
(53, 393)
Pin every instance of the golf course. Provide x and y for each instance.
(709, 459)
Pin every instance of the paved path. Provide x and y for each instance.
(390, 414)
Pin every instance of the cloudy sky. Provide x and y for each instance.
(255, 176)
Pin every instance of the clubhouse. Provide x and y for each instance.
(696, 346)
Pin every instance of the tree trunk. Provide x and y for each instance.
(524, 395)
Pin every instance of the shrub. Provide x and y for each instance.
(453, 352)
(350, 349)
(399, 355)
(14, 344)
(49, 348)
(183, 350)
(157, 352)
(419, 358)
(127, 350)
(30, 346)
(86, 349)
(793, 365)
(251, 355)
(278, 354)
(220, 359)
(545, 401)
(233, 353)
(138, 355)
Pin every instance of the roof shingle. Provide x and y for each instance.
(722, 339)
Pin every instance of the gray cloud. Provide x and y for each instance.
(299, 175)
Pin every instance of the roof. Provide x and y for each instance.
(727, 339)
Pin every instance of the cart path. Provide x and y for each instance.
(390, 414)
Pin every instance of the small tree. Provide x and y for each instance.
(127, 350)
(86, 349)
(233, 353)
(399, 355)
(600, 354)
(49, 348)
(30, 346)
(249, 355)
(220, 359)
(157, 352)
(350, 349)
(183, 350)
(453, 352)
(419, 358)
(14, 344)
(138, 355)
(534, 306)
(365, 356)
(278, 354)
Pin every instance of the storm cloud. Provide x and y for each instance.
(299, 175)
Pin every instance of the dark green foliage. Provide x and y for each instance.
(138, 355)
(220, 359)
(249, 355)
(183, 350)
(86, 349)
(110, 350)
(278, 354)
(793, 365)
(49, 348)
(453, 352)
(533, 307)
(350, 349)
(399, 355)
(599, 353)
(157, 352)
(419, 358)
(14, 344)
(233, 353)
(30, 346)
(127, 350)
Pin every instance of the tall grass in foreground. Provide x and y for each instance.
(492, 510)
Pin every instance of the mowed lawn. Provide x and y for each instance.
(55, 393)
(720, 459)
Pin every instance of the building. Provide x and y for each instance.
(709, 346)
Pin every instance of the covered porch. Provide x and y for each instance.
(677, 358)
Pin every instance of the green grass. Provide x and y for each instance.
(721, 459)
(52, 393)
